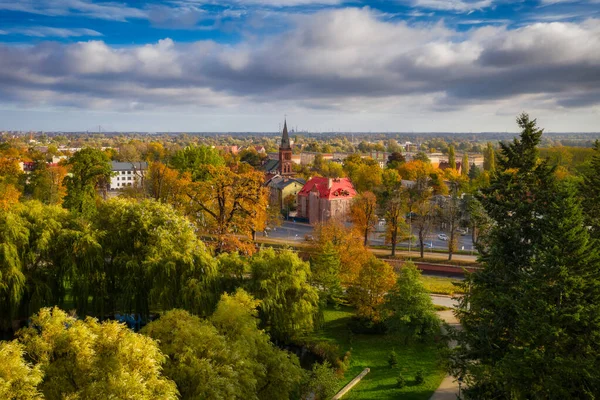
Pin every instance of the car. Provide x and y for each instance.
(443, 236)
(463, 232)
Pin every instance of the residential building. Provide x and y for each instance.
(126, 174)
(280, 188)
(323, 198)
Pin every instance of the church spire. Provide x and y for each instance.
(285, 139)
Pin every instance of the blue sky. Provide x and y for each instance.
(240, 65)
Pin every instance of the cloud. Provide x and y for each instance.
(460, 6)
(84, 8)
(47, 31)
(347, 60)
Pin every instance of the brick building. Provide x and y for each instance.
(324, 198)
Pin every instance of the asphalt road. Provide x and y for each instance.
(290, 230)
(445, 301)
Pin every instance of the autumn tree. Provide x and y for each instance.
(91, 360)
(90, 170)
(46, 183)
(363, 213)
(365, 173)
(489, 158)
(167, 185)
(396, 227)
(375, 279)
(229, 203)
(465, 165)
(19, 379)
(348, 244)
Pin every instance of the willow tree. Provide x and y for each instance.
(152, 259)
(281, 281)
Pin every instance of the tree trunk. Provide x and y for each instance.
(394, 240)
(422, 240)
(366, 237)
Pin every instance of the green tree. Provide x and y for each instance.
(590, 193)
(465, 165)
(489, 158)
(376, 277)
(451, 157)
(322, 382)
(92, 360)
(277, 373)
(325, 267)
(395, 160)
(410, 309)
(90, 170)
(529, 316)
(288, 302)
(19, 380)
(195, 160)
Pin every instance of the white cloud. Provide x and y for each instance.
(47, 31)
(344, 61)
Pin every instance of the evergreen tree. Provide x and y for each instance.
(530, 315)
(451, 157)
(590, 193)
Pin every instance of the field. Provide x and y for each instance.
(372, 351)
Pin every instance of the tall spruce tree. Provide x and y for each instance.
(590, 193)
(530, 318)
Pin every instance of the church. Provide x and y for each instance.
(283, 165)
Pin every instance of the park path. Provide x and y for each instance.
(448, 389)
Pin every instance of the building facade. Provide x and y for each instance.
(324, 198)
(127, 174)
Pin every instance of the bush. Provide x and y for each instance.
(393, 359)
(400, 381)
(419, 378)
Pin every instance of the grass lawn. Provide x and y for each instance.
(440, 285)
(372, 351)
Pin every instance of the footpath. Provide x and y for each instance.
(448, 389)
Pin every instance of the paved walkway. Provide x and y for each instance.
(448, 389)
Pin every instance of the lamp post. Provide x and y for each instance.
(460, 380)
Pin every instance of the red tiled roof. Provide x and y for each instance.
(340, 188)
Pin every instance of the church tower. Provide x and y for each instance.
(285, 153)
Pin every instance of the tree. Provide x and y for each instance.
(376, 278)
(348, 244)
(590, 193)
(9, 195)
(18, 378)
(395, 222)
(451, 212)
(167, 185)
(92, 360)
(529, 316)
(288, 302)
(421, 156)
(409, 308)
(325, 267)
(489, 158)
(46, 183)
(151, 258)
(395, 160)
(451, 157)
(421, 211)
(363, 214)
(228, 203)
(196, 160)
(364, 173)
(322, 383)
(90, 170)
(277, 373)
(465, 165)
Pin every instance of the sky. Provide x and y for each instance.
(328, 65)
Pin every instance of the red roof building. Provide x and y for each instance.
(323, 198)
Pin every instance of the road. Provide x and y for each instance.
(445, 301)
(293, 231)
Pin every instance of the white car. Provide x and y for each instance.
(443, 236)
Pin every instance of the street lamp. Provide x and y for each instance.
(460, 381)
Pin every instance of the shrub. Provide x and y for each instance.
(400, 381)
(393, 359)
(419, 378)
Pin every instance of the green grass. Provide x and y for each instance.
(372, 351)
(440, 285)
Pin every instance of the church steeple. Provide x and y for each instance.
(285, 153)
(285, 138)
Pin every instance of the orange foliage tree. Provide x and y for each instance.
(363, 213)
(375, 279)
